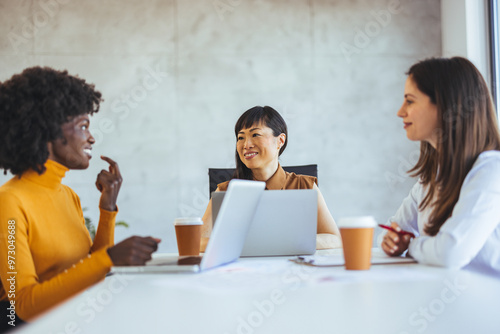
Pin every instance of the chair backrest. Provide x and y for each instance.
(219, 175)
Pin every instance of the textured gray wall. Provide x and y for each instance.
(177, 74)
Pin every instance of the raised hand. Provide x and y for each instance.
(108, 183)
(134, 251)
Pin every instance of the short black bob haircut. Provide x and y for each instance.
(33, 106)
(256, 115)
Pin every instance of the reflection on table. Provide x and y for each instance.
(274, 295)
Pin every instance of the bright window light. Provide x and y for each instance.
(495, 51)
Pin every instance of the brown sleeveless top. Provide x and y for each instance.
(282, 180)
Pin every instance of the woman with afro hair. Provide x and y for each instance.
(46, 249)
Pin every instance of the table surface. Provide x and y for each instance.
(274, 295)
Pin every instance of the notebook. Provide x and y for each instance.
(285, 223)
(228, 235)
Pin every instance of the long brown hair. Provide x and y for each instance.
(467, 127)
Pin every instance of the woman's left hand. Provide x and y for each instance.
(108, 183)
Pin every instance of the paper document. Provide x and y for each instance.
(337, 260)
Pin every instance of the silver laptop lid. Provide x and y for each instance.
(233, 220)
(226, 241)
(285, 223)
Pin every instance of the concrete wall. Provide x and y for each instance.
(176, 75)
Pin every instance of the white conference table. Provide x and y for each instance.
(274, 295)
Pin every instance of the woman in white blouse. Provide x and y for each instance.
(454, 208)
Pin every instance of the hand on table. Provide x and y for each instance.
(395, 244)
(108, 183)
(134, 251)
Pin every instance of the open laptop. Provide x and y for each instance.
(285, 223)
(227, 238)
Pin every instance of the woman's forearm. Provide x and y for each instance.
(327, 241)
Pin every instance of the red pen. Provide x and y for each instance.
(387, 227)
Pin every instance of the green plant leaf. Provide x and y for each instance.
(122, 223)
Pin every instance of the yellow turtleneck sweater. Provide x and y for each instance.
(54, 257)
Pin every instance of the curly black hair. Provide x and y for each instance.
(33, 106)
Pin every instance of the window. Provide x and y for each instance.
(495, 51)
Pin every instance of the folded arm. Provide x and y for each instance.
(34, 295)
(206, 229)
(474, 218)
(328, 233)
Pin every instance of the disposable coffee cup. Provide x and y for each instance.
(188, 233)
(357, 239)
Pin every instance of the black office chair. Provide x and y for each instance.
(219, 175)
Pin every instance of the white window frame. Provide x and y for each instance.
(466, 32)
(494, 28)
